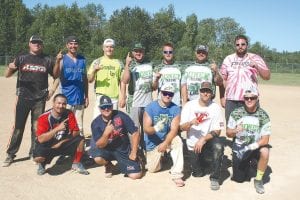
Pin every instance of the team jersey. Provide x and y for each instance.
(194, 75)
(239, 75)
(255, 125)
(33, 70)
(119, 139)
(47, 122)
(140, 84)
(213, 120)
(72, 79)
(107, 79)
(171, 74)
(158, 113)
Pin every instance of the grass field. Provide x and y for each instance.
(289, 79)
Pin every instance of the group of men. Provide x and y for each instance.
(151, 126)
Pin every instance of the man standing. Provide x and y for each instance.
(169, 72)
(58, 134)
(110, 140)
(73, 80)
(140, 86)
(203, 121)
(32, 92)
(240, 71)
(161, 126)
(251, 127)
(106, 72)
(199, 72)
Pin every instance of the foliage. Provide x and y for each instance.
(125, 26)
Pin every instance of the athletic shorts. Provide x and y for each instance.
(67, 148)
(126, 165)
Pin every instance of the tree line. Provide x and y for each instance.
(125, 26)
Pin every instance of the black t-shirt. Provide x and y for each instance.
(33, 73)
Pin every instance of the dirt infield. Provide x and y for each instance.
(19, 181)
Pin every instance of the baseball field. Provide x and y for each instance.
(20, 181)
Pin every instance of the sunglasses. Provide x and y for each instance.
(168, 52)
(36, 42)
(165, 93)
(250, 98)
(242, 44)
(201, 52)
(104, 107)
(205, 90)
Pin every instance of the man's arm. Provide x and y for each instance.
(147, 123)
(86, 90)
(135, 139)
(184, 94)
(103, 140)
(10, 70)
(45, 137)
(57, 65)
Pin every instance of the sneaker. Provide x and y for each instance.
(259, 186)
(108, 170)
(214, 184)
(41, 169)
(78, 167)
(9, 159)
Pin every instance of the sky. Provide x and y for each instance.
(276, 24)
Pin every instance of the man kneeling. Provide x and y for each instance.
(58, 134)
(110, 140)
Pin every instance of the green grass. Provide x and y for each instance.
(288, 79)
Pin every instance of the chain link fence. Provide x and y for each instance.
(275, 67)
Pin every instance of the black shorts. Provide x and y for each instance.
(67, 148)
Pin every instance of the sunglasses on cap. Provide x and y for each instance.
(168, 52)
(250, 98)
(104, 107)
(205, 90)
(165, 93)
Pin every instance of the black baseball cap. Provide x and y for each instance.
(105, 101)
(72, 38)
(35, 38)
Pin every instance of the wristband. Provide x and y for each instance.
(213, 133)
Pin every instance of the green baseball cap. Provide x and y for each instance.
(137, 46)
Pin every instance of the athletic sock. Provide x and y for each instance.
(259, 175)
(78, 156)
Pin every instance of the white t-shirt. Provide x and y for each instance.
(214, 120)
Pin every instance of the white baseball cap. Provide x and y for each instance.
(109, 42)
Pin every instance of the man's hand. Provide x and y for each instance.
(62, 126)
(12, 66)
(128, 59)
(59, 56)
(97, 65)
(214, 66)
(162, 147)
(199, 145)
(160, 125)
(108, 129)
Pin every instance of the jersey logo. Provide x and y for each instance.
(33, 68)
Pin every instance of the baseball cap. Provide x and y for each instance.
(35, 38)
(72, 38)
(137, 46)
(206, 85)
(108, 42)
(251, 91)
(202, 47)
(168, 87)
(105, 101)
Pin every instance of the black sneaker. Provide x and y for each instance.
(7, 162)
(214, 184)
(259, 186)
(41, 169)
(108, 170)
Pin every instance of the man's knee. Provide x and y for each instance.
(100, 161)
(264, 153)
(39, 159)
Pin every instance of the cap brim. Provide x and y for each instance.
(106, 104)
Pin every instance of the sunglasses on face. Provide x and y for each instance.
(205, 90)
(168, 52)
(165, 93)
(201, 52)
(250, 98)
(104, 107)
(36, 42)
(242, 44)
